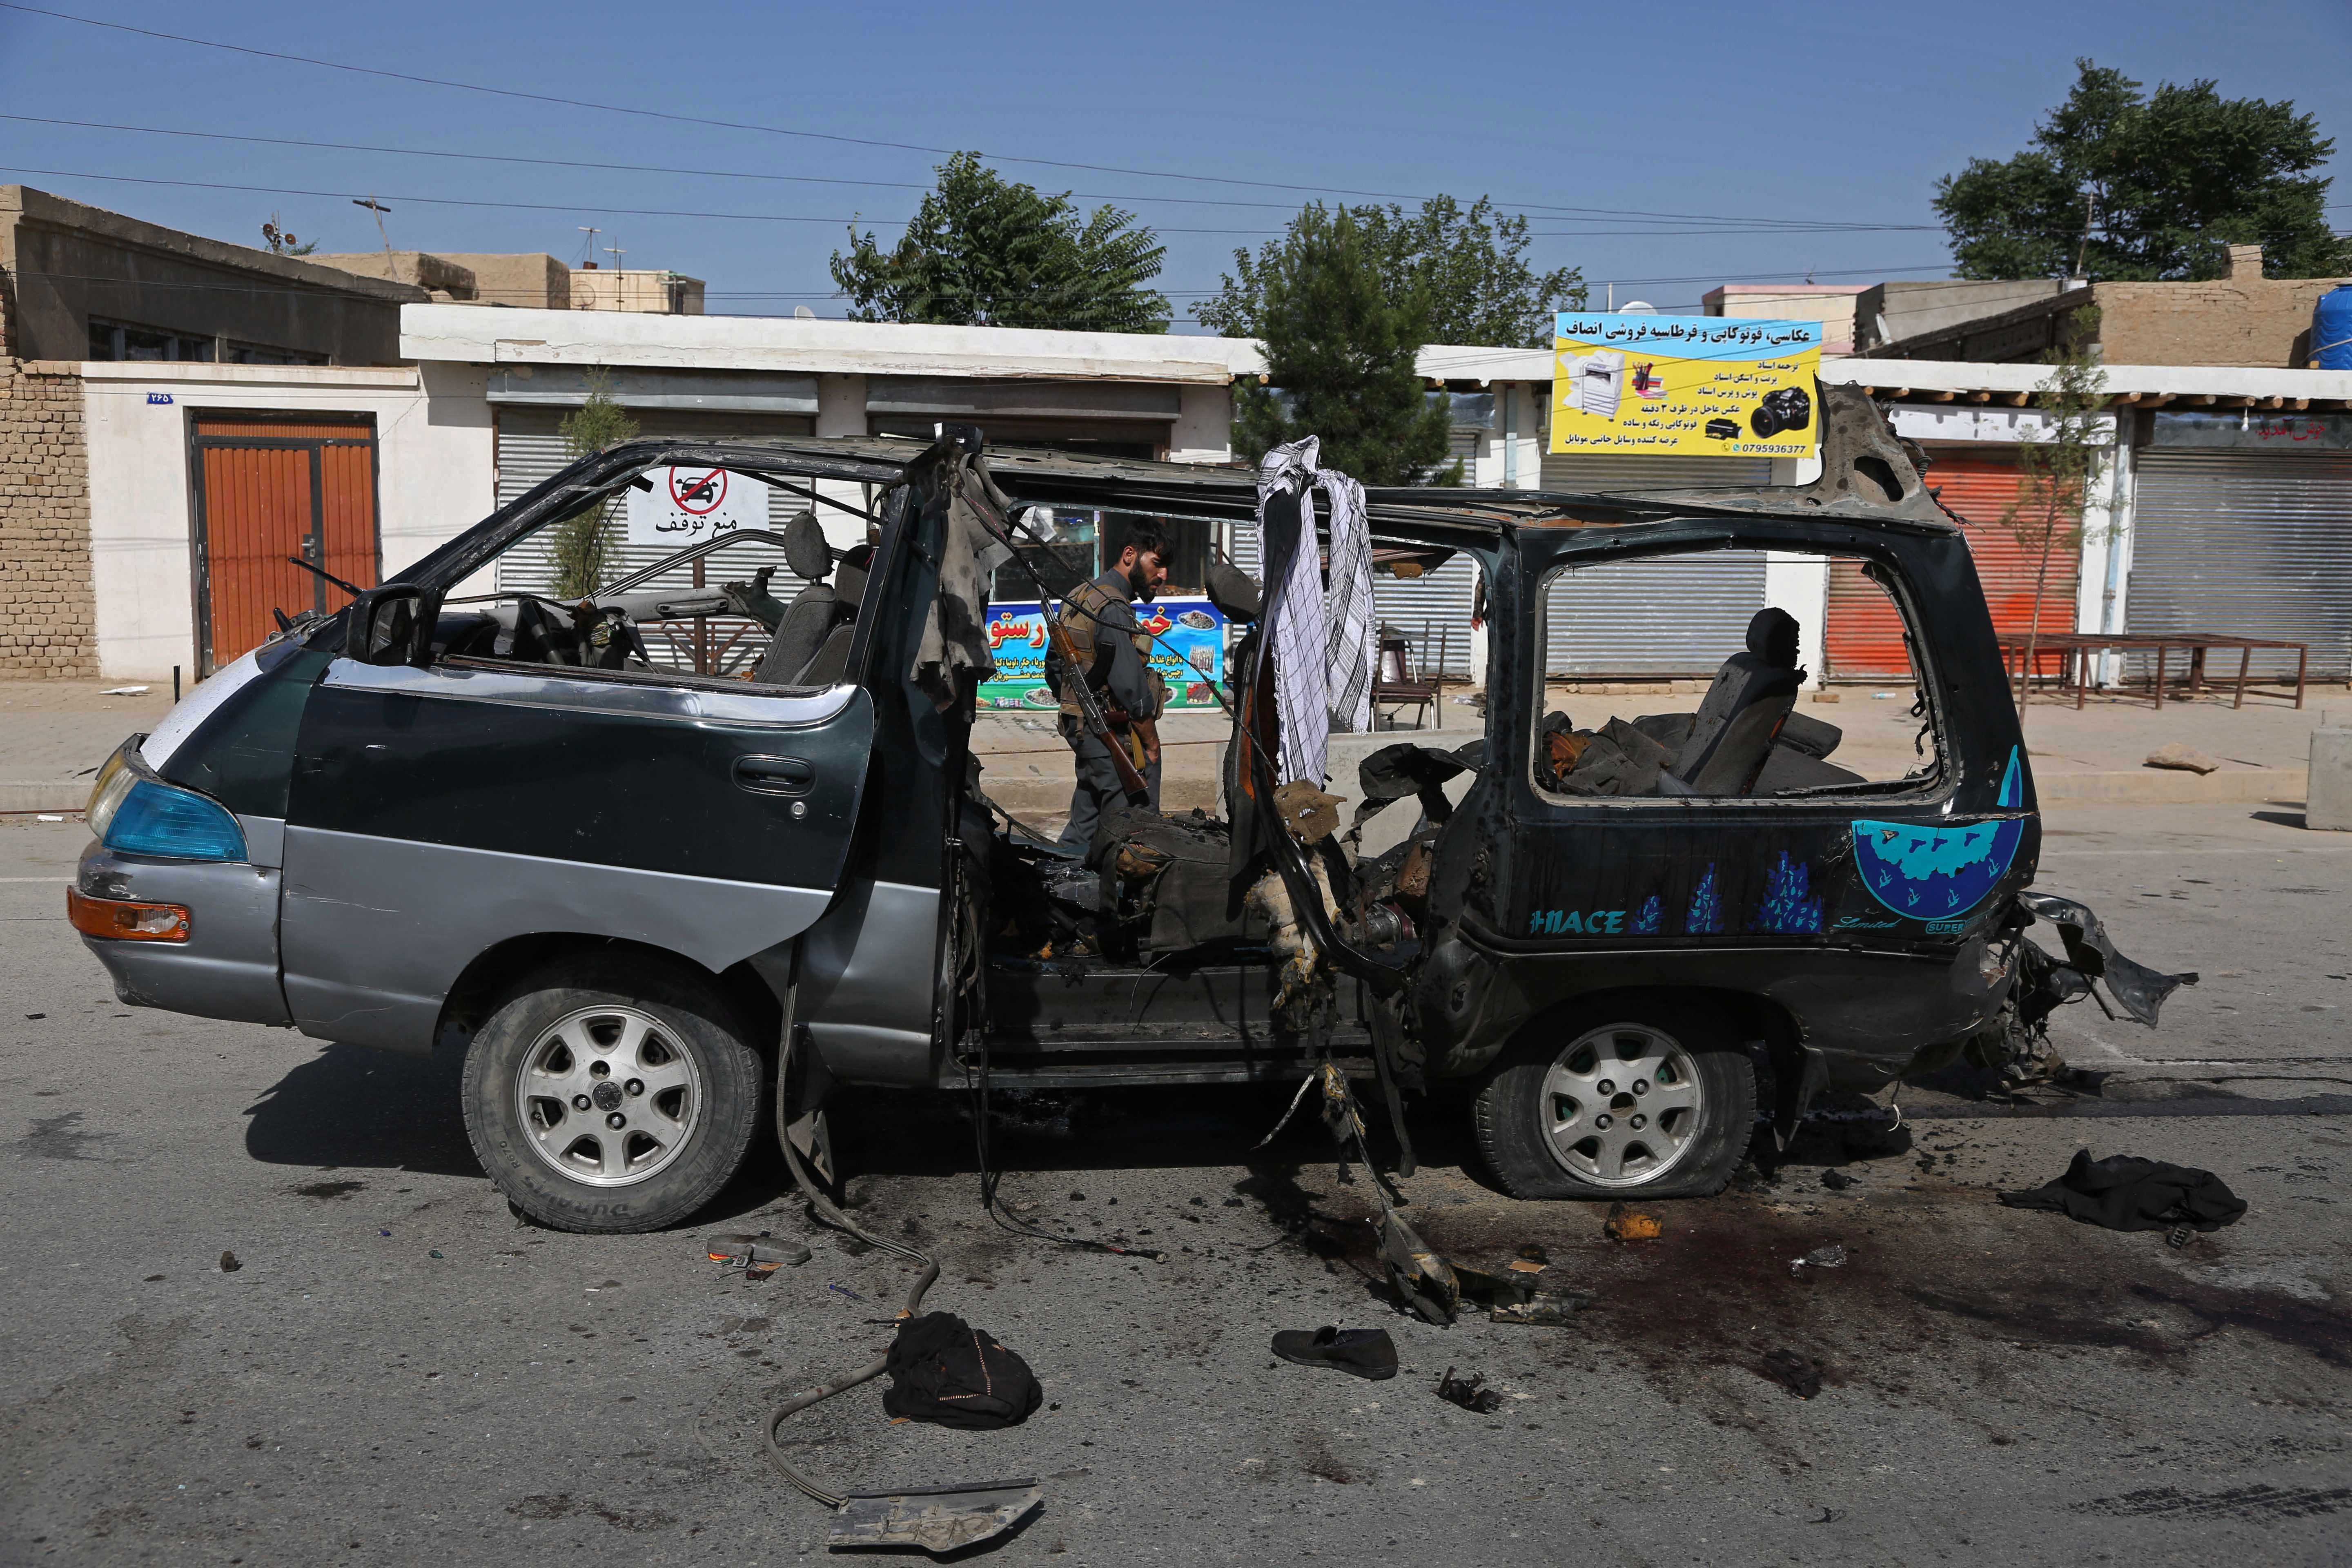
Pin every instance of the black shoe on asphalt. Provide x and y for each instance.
(1366, 1352)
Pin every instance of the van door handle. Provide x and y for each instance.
(775, 775)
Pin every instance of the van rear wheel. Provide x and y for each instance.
(1658, 1102)
(608, 1104)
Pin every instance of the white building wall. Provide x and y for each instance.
(434, 480)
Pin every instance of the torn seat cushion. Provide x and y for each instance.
(1174, 871)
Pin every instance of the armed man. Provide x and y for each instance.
(1100, 619)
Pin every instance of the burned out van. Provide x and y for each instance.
(465, 813)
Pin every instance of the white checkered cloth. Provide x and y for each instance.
(1348, 614)
(1294, 615)
(1322, 638)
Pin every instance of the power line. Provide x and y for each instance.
(832, 136)
(876, 185)
(534, 206)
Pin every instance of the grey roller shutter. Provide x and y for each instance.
(530, 451)
(1641, 619)
(2251, 544)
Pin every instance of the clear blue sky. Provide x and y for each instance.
(1840, 113)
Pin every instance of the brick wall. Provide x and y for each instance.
(2249, 322)
(48, 609)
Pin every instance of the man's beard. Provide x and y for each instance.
(1141, 584)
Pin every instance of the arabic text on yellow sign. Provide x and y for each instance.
(1685, 386)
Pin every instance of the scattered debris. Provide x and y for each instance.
(845, 1290)
(228, 1264)
(1830, 1256)
(757, 1255)
(945, 1371)
(126, 691)
(1830, 1516)
(2124, 1192)
(434, 1253)
(1625, 1223)
(47, 816)
(1363, 1353)
(1794, 1372)
(36, 1015)
(1533, 1254)
(938, 1519)
(1545, 1308)
(1523, 1266)
(1470, 1392)
(2186, 759)
(1424, 1281)
(1836, 1180)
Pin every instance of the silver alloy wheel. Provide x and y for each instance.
(1622, 1105)
(608, 1096)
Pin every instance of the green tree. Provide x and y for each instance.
(984, 252)
(2055, 470)
(2135, 187)
(1341, 343)
(1470, 267)
(581, 544)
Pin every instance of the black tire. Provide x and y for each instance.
(689, 1034)
(1526, 1119)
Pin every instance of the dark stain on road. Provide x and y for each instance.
(1933, 1271)
(60, 1138)
(327, 1189)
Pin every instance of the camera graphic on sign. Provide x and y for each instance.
(1790, 408)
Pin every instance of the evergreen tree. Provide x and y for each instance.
(2131, 187)
(984, 252)
(1341, 344)
(1469, 267)
(581, 544)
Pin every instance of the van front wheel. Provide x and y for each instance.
(613, 1108)
(1658, 1103)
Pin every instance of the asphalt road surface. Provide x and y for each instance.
(398, 1373)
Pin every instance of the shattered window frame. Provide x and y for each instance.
(1933, 777)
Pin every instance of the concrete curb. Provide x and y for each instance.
(2167, 786)
(62, 794)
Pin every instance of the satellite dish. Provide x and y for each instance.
(802, 313)
(1637, 308)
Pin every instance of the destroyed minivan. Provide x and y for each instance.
(476, 817)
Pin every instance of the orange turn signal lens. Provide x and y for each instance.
(126, 921)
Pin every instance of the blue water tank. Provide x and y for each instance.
(2331, 328)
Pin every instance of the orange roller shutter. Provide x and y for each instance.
(1864, 632)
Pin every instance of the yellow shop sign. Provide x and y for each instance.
(1691, 386)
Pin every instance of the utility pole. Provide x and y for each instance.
(378, 209)
(2089, 215)
(615, 252)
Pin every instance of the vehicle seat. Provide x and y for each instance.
(825, 659)
(800, 632)
(1736, 725)
(808, 621)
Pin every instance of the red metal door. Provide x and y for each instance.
(268, 490)
(1865, 633)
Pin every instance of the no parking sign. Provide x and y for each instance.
(692, 503)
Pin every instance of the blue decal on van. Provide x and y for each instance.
(1934, 873)
(2012, 783)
